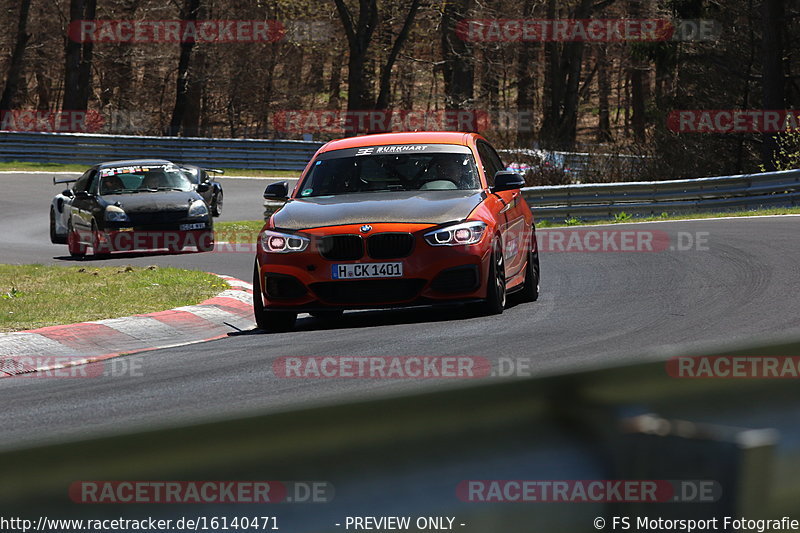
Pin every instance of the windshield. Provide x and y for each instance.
(414, 168)
(143, 179)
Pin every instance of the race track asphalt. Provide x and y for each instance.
(595, 308)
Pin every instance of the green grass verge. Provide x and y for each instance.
(34, 296)
(56, 167)
(245, 231)
(623, 218)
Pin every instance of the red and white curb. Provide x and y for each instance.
(56, 347)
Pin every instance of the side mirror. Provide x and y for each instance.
(203, 187)
(277, 191)
(507, 180)
(67, 193)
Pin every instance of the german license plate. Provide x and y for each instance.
(196, 225)
(367, 270)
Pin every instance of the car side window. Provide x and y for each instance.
(490, 160)
(84, 182)
(92, 186)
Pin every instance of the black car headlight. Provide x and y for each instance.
(116, 214)
(275, 242)
(457, 234)
(198, 208)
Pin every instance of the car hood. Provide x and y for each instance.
(149, 202)
(433, 207)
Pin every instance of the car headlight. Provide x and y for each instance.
(276, 242)
(457, 234)
(198, 209)
(116, 214)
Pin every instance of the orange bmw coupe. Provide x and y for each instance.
(392, 220)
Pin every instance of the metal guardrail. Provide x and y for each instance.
(579, 165)
(652, 198)
(88, 149)
(406, 455)
(584, 201)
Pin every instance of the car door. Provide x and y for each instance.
(515, 231)
(83, 204)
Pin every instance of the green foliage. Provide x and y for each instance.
(788, 153)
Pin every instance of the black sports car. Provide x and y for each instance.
(134, 205)
(211, 194)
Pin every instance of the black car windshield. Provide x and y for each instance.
(392, 168)
(123, 180)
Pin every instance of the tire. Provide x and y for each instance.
(333, 314)
(206, 242)
(55, 238)
(269, 321)
(76, 249)
(99, 250)
(495, 301)
(530, 289)
(216, 205)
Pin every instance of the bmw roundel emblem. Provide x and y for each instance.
(366, 228)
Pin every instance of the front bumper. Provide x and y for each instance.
(303, 281)
(144, 238)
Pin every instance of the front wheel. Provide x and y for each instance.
(216, 205)
(270, 321)
(206, 242)
(495, 301)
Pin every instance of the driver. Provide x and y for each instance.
(112, 184)
(452, 168)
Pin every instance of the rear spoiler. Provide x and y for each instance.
(63, 180)
(214, 170)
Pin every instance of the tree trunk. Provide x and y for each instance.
(457, 53)
(78, 71)
(386, 70)
(359, 34)
(772, 17)
(639, 88)
(603, 94)
(9, 97)
(189, 12)
(335, 83)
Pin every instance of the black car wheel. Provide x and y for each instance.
(216, 205)
(270, 321)
(495, 301)
(530, 289)
(76, 249)
(55, 238)
(206, 242)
